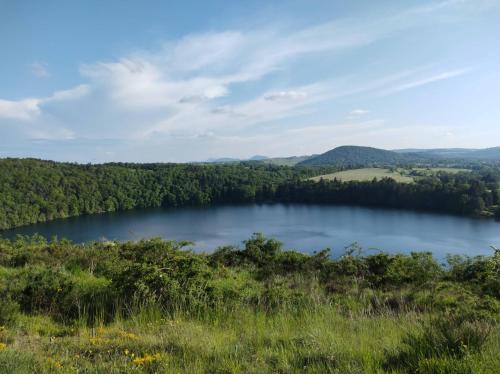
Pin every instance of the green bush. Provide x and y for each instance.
(9, 310)
(442, 341)
(45, 291)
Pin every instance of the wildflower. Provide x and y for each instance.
(126, 352)
(147, 359)
(3, 346)
(54, 363)
(128, 335)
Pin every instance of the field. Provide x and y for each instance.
(366, 174)
(317, 340)
(399, 175)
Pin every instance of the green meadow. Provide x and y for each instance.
(155, 306)
(365, 174)
(398, 174)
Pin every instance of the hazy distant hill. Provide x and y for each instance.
(231, 159)
(258, 158)
(485, 154)
(287, 161)
(223, 160)
(356, 156)
(490, 154)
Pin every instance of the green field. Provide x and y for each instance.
(399, 175)
(366, 174)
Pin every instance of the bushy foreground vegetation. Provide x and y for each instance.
(156, 306)
(34, 191)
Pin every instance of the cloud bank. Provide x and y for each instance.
(186, 95)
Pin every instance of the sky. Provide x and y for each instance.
(163, 81)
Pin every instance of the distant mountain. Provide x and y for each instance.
(287, 161)
(486, 154)
(258, 158)
(351, 156)
(354, 156)
(231, 159)
(489, 154)
(223, 160)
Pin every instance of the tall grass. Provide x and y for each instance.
(153, 307)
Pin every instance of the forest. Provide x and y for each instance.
(157, 306)
(34, 191)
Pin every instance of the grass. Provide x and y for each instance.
(399, 175)
(154, 307)
(366, 174)
(320, 340)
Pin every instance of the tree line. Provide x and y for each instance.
(34, 191)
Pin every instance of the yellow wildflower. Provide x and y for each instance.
(147, 359)
(54, 363)
(128, 335)
(3, 346)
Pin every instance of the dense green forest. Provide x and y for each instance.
(452, 193)
(156, 306)
(34, 191)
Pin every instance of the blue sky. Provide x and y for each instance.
(97, 81)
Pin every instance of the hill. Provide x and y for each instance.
(223, 160)
(286, 161)
(351, 156)
(485, 154)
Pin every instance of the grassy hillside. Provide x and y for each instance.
(366, 174)
(351, 156)
(401, 175)
(152, 306)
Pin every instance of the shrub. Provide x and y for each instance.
(45, 291)
(9, 310)
(447, 337)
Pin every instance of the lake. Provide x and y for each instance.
(303, 227)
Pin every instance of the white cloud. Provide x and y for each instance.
(23, 110)
(71, 94)
(285, 95)
(188, 88)
(427, 80)
(357, 113)
(39, 69)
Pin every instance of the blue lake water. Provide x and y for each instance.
(303, 227)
